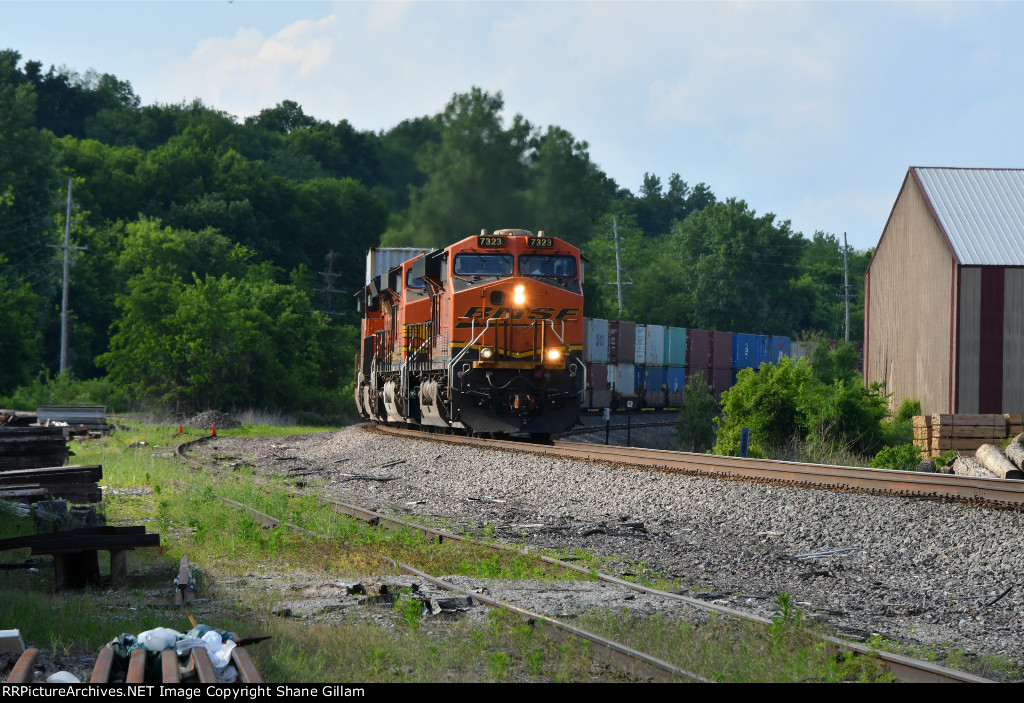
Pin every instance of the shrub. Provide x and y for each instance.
(904, 457)
(695, 427)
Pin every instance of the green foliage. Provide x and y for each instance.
(786, 401)
(901, 429)
(839, 364)
(66, 389)
(904, 457)
(769, 402)
(695, 427)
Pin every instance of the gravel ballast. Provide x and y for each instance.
(921, 572)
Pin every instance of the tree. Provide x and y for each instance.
(568, 193)
(476, 175)
(734, 270)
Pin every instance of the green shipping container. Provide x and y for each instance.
(675, 346)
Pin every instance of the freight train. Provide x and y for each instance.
(631, 365)
(483, 337)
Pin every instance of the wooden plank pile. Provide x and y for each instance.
(77, 484)
(938, 433)
(32, 447)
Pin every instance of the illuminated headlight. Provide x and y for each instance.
(519, 296)
(554, 354)
(486, 353)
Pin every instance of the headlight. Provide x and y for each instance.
(486, 353)
(519, 297)
(554, 354)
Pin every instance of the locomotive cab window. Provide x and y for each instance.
(483, 264)
(411, 282)
(547, 265)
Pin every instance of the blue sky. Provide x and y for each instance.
(809, 110)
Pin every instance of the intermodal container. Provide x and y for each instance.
(654, 377)
(780, 348)
(722, 382)
(625, 342)
(798, 351)
(625, 378)
(597, 341)
(675, 346)
(655, 352)
(597, 376)
(380, 261)
(675, 379)
(640, 351)
(721, 350)
(744, 351)
(698, 348)
(764, 349)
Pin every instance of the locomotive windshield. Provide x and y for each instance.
(547, 265)
(411, 282)
(483, 264)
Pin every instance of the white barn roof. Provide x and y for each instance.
(981, 210)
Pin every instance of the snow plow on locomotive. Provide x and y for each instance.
(484, 336)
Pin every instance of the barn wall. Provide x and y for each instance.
(1013, 341)
(908, 325)
(970, 340)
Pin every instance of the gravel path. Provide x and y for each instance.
(917, 571)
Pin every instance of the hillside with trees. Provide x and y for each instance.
(216, 255)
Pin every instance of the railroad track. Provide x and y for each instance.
(903, 668)
(995, 492)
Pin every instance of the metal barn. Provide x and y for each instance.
(944, 292)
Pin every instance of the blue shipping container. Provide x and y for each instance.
(764, 350)
(780, 348)
(675, 377)
(744, 351)
(654, 377)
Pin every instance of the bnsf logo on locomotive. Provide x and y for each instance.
(483, 313)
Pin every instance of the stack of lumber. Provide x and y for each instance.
(938, 433)
(93, 418)
(32, 447)
(17, 418)
(77, 484)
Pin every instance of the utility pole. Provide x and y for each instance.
(618, 265)
(67, 269)
(846, 285)
(329, 290)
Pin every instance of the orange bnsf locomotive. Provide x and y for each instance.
(484, 336)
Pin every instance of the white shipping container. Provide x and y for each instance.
(597, 341)
(655, 353)
(381, 260)
(625, 378)
(641, 345)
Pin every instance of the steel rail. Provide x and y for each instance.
(1005, 492)
(903, 668)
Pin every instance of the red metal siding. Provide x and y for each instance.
(990, 372)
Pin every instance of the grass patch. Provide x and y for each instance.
(787, 650)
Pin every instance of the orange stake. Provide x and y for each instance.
(213, 430)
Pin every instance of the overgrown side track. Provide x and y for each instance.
(903, 668)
